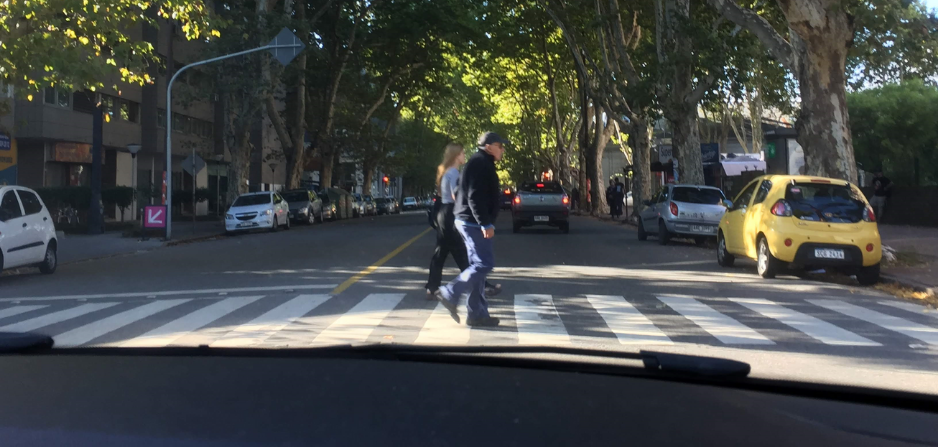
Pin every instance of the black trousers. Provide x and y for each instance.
(448, 242)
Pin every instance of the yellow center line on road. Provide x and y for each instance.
(371, 268)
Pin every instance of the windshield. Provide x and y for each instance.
(556, 169)
(252, 199)
(296, 196)
(703, 196)
(825, 202)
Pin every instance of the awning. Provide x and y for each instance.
(734, 168)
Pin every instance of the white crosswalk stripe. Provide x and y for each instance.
(259, 329)
(914, 330)
(440, 329)
(538, 321)
(813, 327)
(168, 333)
(629, 325)
(93, 330)
(724, 328)
(914, 308)
(358, 323)
(290, 321)
(55, 317)
(16, 310)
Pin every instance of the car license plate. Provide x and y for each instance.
(246, 224)
(828, 253)
(701, 228)
(541, 218)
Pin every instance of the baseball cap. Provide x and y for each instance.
(491, 138)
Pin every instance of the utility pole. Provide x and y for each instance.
(95, 219)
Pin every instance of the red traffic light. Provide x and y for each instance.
(386, 179)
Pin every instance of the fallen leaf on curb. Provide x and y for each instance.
(906, 292)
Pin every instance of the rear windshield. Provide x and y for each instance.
(368, 199)
(704, 196)
(546, 187)
(825, 203)
(410, 199)
(254, 199)
(296, 196)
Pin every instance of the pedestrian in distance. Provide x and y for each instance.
(610, 198)
(575, 198)
(882, 192)
(476, 208)
(448, 240)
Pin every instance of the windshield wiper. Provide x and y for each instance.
(19, 342)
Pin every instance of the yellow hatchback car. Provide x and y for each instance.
(804, 222)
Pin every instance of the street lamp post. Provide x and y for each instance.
(133, 149)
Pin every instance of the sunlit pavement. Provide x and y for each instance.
(596, 287)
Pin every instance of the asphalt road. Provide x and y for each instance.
(362, 281)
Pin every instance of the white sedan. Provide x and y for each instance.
(258, 210)
(27, 234)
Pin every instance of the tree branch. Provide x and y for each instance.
(778, 47)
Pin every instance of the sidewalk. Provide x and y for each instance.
(917, 256)
(76, 248)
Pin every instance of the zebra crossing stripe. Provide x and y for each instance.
(95, 329)
(724, 328)
(629, 325)
(359, 322)
(914, 308)
(914, 330)
(16, 310)
(259, 329)
(538, 321)
(440, 329)
(813, 327)
(55, 317)
(180, 327)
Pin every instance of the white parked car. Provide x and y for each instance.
(27, 234)
(258, 210)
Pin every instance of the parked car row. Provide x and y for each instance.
(780, 221)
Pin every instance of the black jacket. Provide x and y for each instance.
(477, 193)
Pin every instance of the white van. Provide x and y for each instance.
(27, 234)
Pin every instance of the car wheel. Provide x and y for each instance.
(867, 276)
(642, 235)
(766, 264)
(663, 235)
(276, 223)
(310, 217)
(724, 257)
(287, 223)
(565, 227)
(50, 261)
(515, 227)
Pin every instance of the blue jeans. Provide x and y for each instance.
(472, 279)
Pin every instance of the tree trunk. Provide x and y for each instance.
(756, 108)
(640, 140)
(239, 169)
(686, 143)
(295, 166)
(369, 172)
(328, 162)
(823, 123)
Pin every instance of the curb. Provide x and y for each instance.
(176, 242)
(911, 284)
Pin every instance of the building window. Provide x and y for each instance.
(84, 101)
(130, 111)
(56, 97)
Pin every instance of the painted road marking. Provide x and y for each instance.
(914, 330)
(371, 268)
(359, 322)
(9, 312)
(629, 325)
(538, 321)
(55, 317)
(914, 308)
(174, 292)
(271, 322)
(440, 329)
(813, 327)
(95, 329)
(168, 333)
(724, 328)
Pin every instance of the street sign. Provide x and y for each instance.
(293, 45)
(154, 216)
(193, 165)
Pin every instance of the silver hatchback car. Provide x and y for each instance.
(691, 211)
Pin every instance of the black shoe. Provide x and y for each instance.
(489, 321)
(431, 295)
(492, 290)
(447, 304)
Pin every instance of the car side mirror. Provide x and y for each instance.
(647, 202)
(728, 204)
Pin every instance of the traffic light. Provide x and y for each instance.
(386, 180)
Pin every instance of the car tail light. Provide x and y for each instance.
(869, 215)
(566, 200)
(788, 242)
(517, 199)
(781, 208)
(673, 208)
(540, 185)
(869, 247)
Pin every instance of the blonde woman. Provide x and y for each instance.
(448, 240)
